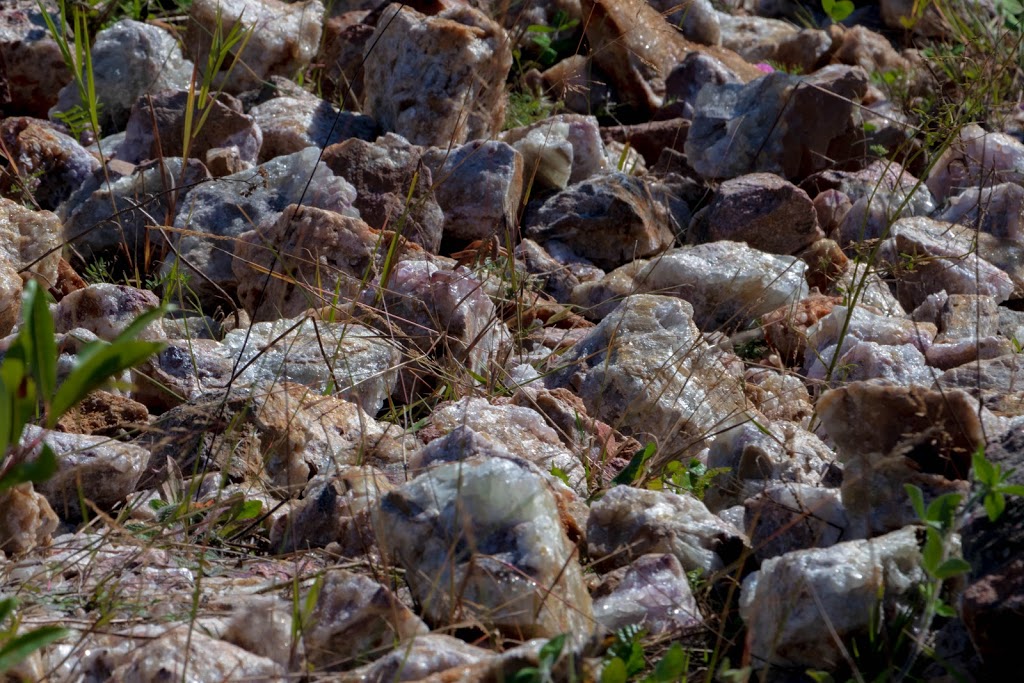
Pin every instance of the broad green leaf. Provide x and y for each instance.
(1012, 489)
(15, 651)
(250, 509)
(614, 672)
(916, 499)
(98, 367)
(38, 469)
(560, 474)
(943, 508)
(944, 610)
(931, 554)
(954, 566)
(984, 471)
(671, 667)
(7, 609)
(551, 650)
(38, 326)
(995, 504)
(631, 472)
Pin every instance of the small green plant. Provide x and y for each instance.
(543, 672)
(549, 40)
(693, 477)
(15, 648)
(837, 10)
(625, 660)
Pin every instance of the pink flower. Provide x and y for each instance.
(767, 68)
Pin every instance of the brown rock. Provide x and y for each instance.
(785, 328)
(26, 519)
(48, 165)
(104, 414)
(32, 69)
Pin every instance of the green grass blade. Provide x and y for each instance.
(24, 645)
(36, 470)
(100, 366)
(38, 327)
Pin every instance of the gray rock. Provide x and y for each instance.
(112, 220)
(902, 364)
(129, 59)
(918, 436)
(763, 210)
(183, 370)
(97, 468)
(347, 360)
(609, 220)
(967, 316)
(283, 37)
(232, 205)
(481, 539)
(654, 594)
(977, 159)
(560, 150)
(444, 313)
(785, 603)
(755, 455)
(627, 523)
(291, 125)
(265, 626)
(997, 210)
(225, 126)
(686, 79)
(30, 241)
(792, 517)
(927, 256)
(996, 383)
(334, 508)
(783, 124)
(478, 186)
(33, 69)
(437, 80)
(647, 370)
(756, 39)
(384, 174)
(419, 657)
(107, 310)
(50, 165)
(206, 659)
(778, 395)
(355, 616)
(317, 258)
(697, 18)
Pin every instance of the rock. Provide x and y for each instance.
(790, 517)
(784, 604)
(225, 126)
(560, 150)
(697, 18)
(946, 355)
(129, 59)
(473, 426)
(777, 395)
(418, 658)
(228, 208)
(977, 159)
(646, 370)
(32, 69)
(755, 38)
(348, 360)
(763, 210)
(183, 370)
(291, 125)
(860, 46)
(556, 279)
(633, 43)
(265, 627)
(102, 413)
(754, 455)
(628, 523)
(307, 258)
(207, 660)
(93, 468)
(334, 508)
(919, 436)
(901, 364)
(481, 539)
(393, 190)
(654, 594)
(995, 382)
(997, 210)
(478, 186)
(107, 311)
(30, 241)
(437, 80)
(576, 81)
(927, 256)
(284, 434)
(695, 71)
(27, 519)
(788, 125)
(966, 316)
(609, 220)
(48, 165)
(727, 283)
(785, 328)
(341, 52)
(446, 314)
(282, 38)
(355, 616)
(143, 198)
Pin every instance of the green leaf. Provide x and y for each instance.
(942, 509)
(671, 667)
(24, 645)
(97, 368)
(944, 610)
(551, 650)
(7, 609)
(560, 474)
(614, 672)
(954, 566)
(916, 499)
(631, 472)
(36, 470)
(250, 509)
(1011, 489)
(931, 554)
(984, 471)
(995, 504)
(38, 326)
